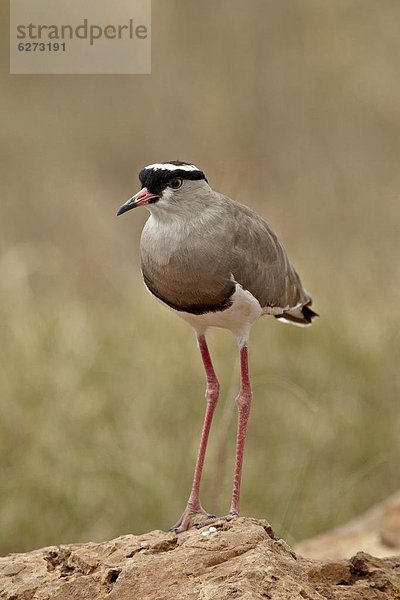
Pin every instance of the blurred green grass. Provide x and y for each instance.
(100, 430)
(291, 108)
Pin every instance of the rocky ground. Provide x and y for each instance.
(376, 531)
(241, 559)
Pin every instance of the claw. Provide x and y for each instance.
(209, 520)
(177, 529)
(185, 522)
(230, 517)
(213, 519)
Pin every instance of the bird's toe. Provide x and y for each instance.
(178, 529)
(209, 520)
(198, 518)
(230, 517)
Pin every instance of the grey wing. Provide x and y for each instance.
(260, 265)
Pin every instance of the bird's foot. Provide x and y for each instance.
(189, 518)
(214, 519)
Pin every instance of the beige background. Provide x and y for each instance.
(289, 107)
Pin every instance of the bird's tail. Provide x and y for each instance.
(302, 316)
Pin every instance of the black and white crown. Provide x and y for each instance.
(157, 176)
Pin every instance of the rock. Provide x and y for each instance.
(241, 559)
(377, 531)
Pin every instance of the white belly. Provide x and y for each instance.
(238, 318)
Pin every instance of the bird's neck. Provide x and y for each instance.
(185, 218)
(167, 232)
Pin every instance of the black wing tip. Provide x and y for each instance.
(304, 317)
(309, 313)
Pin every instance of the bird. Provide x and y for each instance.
(214, 263)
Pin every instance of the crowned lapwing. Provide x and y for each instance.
(215, 263)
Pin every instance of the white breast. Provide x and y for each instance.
(238, 318)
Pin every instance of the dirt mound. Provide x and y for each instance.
(376, 531)
(241, 559)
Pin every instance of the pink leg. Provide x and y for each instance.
(243, 402)
(212, 391)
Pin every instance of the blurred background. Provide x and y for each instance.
(292, 108)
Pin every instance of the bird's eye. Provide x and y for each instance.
(175, 184)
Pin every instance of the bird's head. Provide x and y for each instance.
(167, 184)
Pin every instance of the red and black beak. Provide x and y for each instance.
(140, 199)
